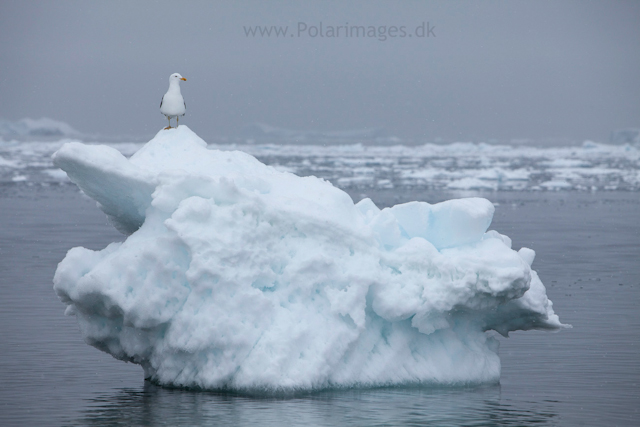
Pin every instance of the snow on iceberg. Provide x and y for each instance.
(237, 276)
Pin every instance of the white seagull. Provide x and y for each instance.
(172, 104)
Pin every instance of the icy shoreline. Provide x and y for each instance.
(238, 276)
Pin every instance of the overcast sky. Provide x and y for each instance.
(489, 69)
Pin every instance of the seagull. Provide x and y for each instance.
(172, 104)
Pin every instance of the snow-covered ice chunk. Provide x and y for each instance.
(446, 224)
(236, 275)
(122, 190)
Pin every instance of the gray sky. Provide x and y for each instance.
(495, 69)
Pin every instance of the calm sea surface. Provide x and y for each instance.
(588, 256)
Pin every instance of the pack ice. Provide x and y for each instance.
(237, 276)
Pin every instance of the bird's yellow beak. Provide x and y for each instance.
(183, 79)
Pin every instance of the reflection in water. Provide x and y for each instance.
(155, 406)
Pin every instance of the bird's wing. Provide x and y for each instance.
(162, 100)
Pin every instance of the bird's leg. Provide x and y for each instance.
(168, 127)
(177, 121)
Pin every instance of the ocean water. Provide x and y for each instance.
(588, 256)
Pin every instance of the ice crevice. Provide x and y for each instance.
(235, 275)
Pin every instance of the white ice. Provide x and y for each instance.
(238, 276)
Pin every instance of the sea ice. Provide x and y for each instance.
(235, 275)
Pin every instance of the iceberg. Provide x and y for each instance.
(237, 276)
(625, 136)
(43, 127)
